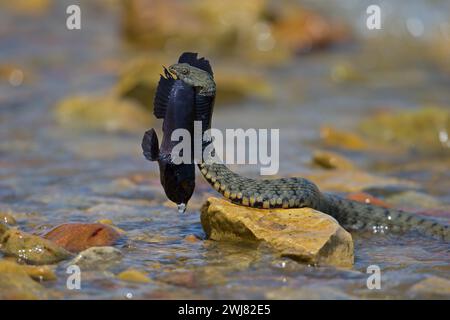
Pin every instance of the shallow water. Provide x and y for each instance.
(51, 175)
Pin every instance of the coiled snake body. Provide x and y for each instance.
(290, 192)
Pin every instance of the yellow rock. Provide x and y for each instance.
(305, 235)
(341, 139)
(35, 272)
(28, 6)
(100, 113)
(16, 283)
(133, 275)
(331, 160)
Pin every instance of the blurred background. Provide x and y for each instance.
(74, 105)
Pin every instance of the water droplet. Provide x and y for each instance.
(181, 207)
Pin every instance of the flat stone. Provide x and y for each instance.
(303, 234)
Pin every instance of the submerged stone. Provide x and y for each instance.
(303, 234)
(133, 275)
(97, 258)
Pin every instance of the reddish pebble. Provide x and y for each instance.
(76, 237)
(368, 199)
(191, 238)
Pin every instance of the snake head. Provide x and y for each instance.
(195, 77)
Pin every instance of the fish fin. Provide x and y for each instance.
(191, 58)
(150, 145)
(203, 109)
(162, 95)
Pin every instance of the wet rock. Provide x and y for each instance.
(331, 160)
(367, 199)
(19, 286)
(425, 129)
(186, 279)
(3, 228)
(39, 273)
(342, 139)
(7, 218)
(432, 287)
(305, 235)
(133, 275)
(76, 237)
(99, 258)
(31, 249)
(100, 113)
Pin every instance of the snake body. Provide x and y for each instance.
(292, 192)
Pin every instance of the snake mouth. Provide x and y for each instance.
(170, 72)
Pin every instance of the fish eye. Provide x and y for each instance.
(185, 71)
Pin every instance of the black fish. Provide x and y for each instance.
(174, 101)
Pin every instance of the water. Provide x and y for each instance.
(51, 174)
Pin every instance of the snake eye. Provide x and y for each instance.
(185, 71)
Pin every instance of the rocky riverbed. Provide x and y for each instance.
(75, 189)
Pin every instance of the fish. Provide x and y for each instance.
(179, 105)
(174, 104)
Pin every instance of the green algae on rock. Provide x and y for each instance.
(304, 234)
(31, 249)
(7, 218)
(102, 113)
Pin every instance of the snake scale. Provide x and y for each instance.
(290, 192)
